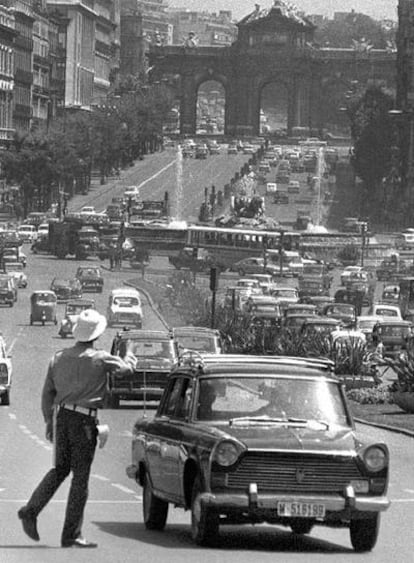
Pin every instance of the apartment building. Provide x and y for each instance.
(7, 37)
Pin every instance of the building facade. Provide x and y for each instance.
(209, 28)
(7, 37)
(23, 64)
(91, 49)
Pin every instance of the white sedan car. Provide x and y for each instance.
(87, 210)
(348, 272)
(15, 269)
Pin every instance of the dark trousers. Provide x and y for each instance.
(75, 448)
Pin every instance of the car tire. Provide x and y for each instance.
(5, 399)
(301, 526)
(111, 401)
(204, 522)
(155, 510)
(364, 533)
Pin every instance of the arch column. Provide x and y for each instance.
(188, 105)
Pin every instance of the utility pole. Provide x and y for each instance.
(364, 229)
(214, 276)
(265, 243)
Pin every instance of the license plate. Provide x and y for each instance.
(301, 509)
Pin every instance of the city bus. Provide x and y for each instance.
(228, 245)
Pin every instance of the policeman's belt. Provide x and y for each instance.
(81, 410)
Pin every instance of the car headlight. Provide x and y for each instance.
(226, 453)
(375, 458)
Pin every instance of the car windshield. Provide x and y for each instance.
(341, 310)
(199, 343)
(314, 270)
(150, 349)
(399, 331)
(89, 272)
(44, 297)
(251, 399)
(126, 301)
(386, 312)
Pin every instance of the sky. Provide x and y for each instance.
(377, 9)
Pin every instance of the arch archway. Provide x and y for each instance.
(210, 108)
(273, 111)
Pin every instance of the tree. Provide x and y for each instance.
(373, 134)
(358, 28)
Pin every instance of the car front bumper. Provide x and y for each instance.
(223, 502)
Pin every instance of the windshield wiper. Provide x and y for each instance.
(278, 420)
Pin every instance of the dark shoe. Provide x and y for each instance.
(79, 542)
(29, 523)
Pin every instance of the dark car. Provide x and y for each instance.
(251, 439)
(343, 312)
(90, 278)
(8, 291)
(156, 352)
(66, 288)
(320, 324)
(198, 339)
(394, 334)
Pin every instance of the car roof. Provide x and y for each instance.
(184, 330)
(215, 364)
(319, 319)
(139, 334)
(393, 321)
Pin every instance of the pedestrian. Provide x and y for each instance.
(73, 391)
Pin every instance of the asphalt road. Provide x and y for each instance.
(114, 512)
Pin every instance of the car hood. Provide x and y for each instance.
(292, 437)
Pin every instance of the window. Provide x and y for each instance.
(173, 399)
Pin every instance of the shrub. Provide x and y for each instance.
(371, 396)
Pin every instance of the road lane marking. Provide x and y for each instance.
(99, 477)
(12, 416)
(13, 342)
(160, 171)
(123, 489)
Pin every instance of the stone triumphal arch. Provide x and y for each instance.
(273, 46)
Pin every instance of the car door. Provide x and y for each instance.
(165, 450)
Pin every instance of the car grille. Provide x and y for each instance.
(297, 473)
(138, 380)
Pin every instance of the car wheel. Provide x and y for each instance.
(204, 522)
(155, 510)
(364, 533)
(301, 526)
(111, 401)
(5, 399)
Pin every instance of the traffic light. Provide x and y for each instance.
(214, 277)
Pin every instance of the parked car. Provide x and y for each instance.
(198, 339)
(87, 210)
(391, 294)
(6, 372)
(125, 307)
(248, 149)
(156, 352)
(213, 147)
(255, 439)
(232, 148)
(201, 151)
(14, 254)
(90, 278)
(16, 270)
(66, 288)
(72, 311)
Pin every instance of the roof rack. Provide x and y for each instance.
(194, 359)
